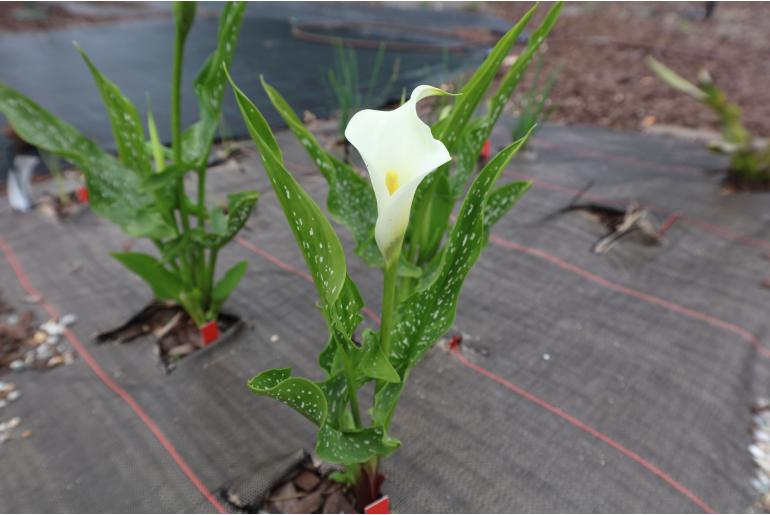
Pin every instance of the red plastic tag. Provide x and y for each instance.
(486, 150)
(82, 195)
(209, 332)
(380, 506)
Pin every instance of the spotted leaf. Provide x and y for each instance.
(351, 198)
(114, 190)
(297, 392)
(426, 315)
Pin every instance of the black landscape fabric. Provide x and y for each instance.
(137, 56)
(587, 383)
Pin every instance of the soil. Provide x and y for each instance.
(25, 345)
(308, 489)
(175, 333)
(30, 16)
(605, 81)
(735, 184)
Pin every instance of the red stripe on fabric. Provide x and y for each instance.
(292, 270)
(585, 427)
(668, 223)
(646, 297)
(97, 369)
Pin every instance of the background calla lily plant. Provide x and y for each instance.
(142, 190)
(403, 156)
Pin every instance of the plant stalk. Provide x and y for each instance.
(176, 121)
(352, 393)
(388, 304)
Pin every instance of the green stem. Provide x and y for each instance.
(388, 305)
(208, 286)
(202, 193)
(352, 393)
(176, 121)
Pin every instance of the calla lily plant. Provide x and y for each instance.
(359, 205)
(408, 164)
(142, 190)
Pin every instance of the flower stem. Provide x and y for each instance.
(388, 305)
(176, 120)
(352, 393)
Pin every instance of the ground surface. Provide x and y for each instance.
(604, 80)
(586, 383)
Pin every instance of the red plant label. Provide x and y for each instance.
(82, 195)
(486, 150)
(380, 506)
(209, 332)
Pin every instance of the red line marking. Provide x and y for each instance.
(666, 225)
(717, 230)
(292, 270)
(274, 260)
(108, 381)
(646, 297)
(584, 427)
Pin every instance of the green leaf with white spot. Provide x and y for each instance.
(353, 446)
(320, 246)
(209, 85)
(297, 392)
(114, 190)
(450, 131)
(480, 130)
(501, 201)
(350, 198)
(239, 208)
(126, 124)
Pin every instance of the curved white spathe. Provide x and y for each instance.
(399, 151)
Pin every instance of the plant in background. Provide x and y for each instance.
(532, 109)
(352, 201)
(142, 190)
(749, 159)
(345, 83)
(399, 218)
(55, 164)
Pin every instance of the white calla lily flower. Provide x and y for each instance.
(399, 152)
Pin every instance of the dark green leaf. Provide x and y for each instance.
(228, 282)
(370, 361)
(209, 85)
(165, 178)
(353, 446)
(473, 92)
(297, 392)
(114, 190)
(320, 246)
(351, 198)
(164, 284)
(239, 208)
(502, 200)
(125, 121)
